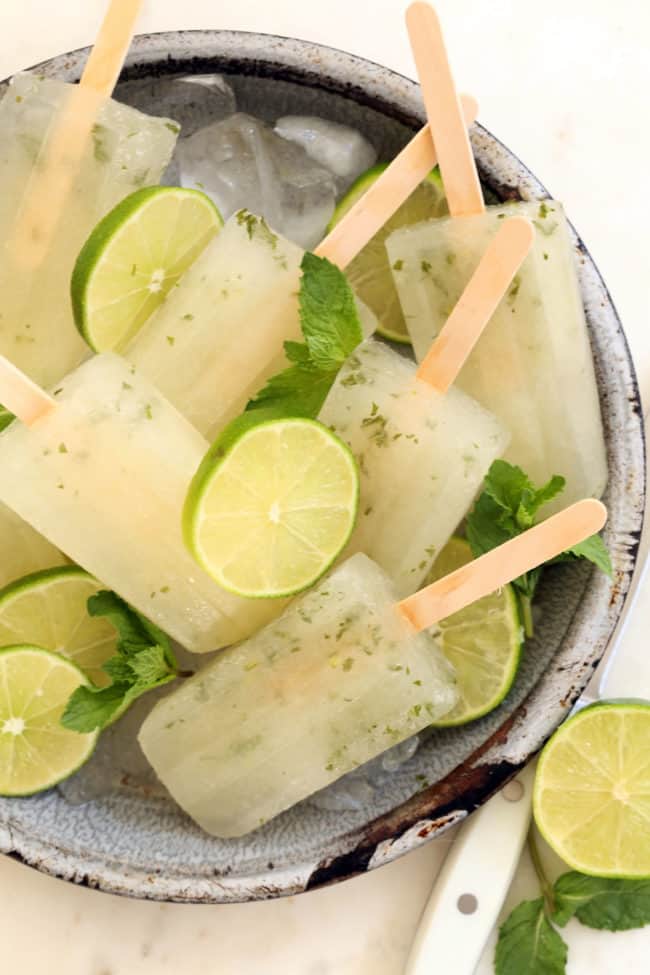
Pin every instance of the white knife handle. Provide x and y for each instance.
(473, 883)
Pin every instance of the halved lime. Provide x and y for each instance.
(369, 273)
(483, 642)
(592, 790)
(132, 259)
(272, 505)
(36, 752)
(48, 609)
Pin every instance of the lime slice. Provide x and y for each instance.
(369, 273)
(592, 791)
(483, 642)
(271, 506)
(36, 752)
(48, 609)
(133, 257)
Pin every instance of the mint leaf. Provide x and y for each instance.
(528, 944)
(508, 506)
(594, 550)
(297, 352)
(328, 313)
(89, 708)
(300, 390)
(332, 330)
(144, 660)
(126, 621)
(612, 905)
(149, 665)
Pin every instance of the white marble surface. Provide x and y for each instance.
(564, 83)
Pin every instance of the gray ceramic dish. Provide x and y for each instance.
(138, 843)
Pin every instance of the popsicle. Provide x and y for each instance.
(423, 448)
(344, 674)
(101, 469)
(68, 154)
(533, 366)
(237, 304)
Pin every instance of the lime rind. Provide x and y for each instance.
(592, 761)
(233, 438)
(103, 238)
(88, 642)
(501, 607)
(85, 742)
(369, 272)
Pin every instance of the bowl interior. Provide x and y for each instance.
(133, 839)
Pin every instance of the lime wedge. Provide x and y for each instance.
(48, 609)
(483, 642)
(592, 791)
(369, 273)
(271, 506)
(36, 752)
(133, 257)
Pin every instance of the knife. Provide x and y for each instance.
(476, 875)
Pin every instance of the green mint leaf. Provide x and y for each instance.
(514, 492)
(297, 352)
(118, 669)
(328, 313)
(594, 550)
(135, 632)
(300, 390)
(142, 687)
(612, 905)
(131, 631)
(486, 527)
(150, 665)
(91, 707)
(528, 944)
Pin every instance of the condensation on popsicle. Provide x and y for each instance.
(532, 367)
(103, 475)
(127, 149)
(422, 457)
(345, 673)
(339, 678)
(229, 316)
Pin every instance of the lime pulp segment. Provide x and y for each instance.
(369, 273)
(49, 609)
(133, 258)
(270, 517)
(592, 790)
(36, 752)
(482, 641)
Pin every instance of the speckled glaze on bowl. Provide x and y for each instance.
(139, 844)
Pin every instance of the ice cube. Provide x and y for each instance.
(193, 102)
(241, 163)
(339, 148)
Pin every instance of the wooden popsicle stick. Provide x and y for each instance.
(455, 157)
(488, 285)
(52, 180)
(503, 564)
(21, 396)
(386, 194)
(110, 49)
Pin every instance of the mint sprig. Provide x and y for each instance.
(529, 940)
(509, 505)
(144, 660)
(332, 330)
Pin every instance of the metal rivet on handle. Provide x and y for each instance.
(467, 904)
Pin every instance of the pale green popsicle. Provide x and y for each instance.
(340, 677)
